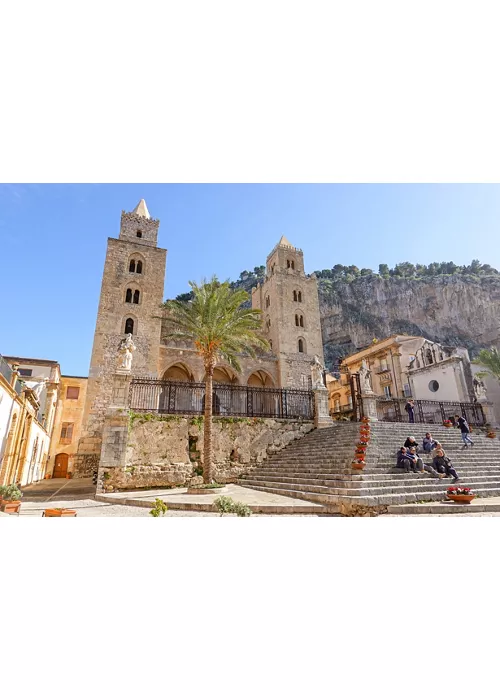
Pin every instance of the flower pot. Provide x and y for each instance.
(69, 475)
(491, 435)
(59, 513)
(360, 454)
(365, 419)
(447, 424)
(10, 506)
(461, 497)
(358, 465)
(48, 476)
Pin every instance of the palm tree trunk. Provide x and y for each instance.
(207, 428)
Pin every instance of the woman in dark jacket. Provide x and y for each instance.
(441, 462)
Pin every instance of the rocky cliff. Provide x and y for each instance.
(450, 309)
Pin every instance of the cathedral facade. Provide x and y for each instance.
(130, 302)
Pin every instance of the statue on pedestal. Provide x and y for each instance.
(365, 378)
(479, 389)
(317, 374)
(125, 351)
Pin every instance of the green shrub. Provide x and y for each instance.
(224, 504)
(159, 509)
(10, 493)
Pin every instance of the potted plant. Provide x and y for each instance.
(460, 495)
(10, 498)
(360, 450)
(447, 423)
(491, 434)
(358, 463)
(365, 420)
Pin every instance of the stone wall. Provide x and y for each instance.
(168, 450)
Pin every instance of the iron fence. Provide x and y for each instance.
(429, 411)
(160, 396)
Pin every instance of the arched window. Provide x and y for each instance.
(296, 319)
(131, 267)
(301, 345)
(271, 344)
(136, 296)
(138, 269)
(268, 302)
(294, 295)
(129, 325)
(288, 263)
(428, 356)
(293, 265)
(301, 320)
(128, 297)
(299, 294)
(139, 234)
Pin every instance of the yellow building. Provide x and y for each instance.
(405, 366)
(67, 425)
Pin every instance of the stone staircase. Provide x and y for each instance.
(318, 468)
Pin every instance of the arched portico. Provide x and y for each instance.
(260, 378)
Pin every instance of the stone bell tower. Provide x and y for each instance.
(131, 294)
(289, 302)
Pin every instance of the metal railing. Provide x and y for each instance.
(160, 396)
(429, 411)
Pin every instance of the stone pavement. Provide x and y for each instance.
(259, 501)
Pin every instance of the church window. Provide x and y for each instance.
(129, 325)
(293, 265)
(136, 296)
(301, 321)
(296, 319)
(138, 268)
(131, 267)
(301, 345)
(428, 356)
(271, 344)
(139, 234)
(72, 392)
(128, 297)
(268, 302)
(288, 263)
(294, 295)
(299, 295)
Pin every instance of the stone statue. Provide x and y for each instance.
(125, 351)
(364, 377)
(317, 374)
(37, 387)
(479, 388)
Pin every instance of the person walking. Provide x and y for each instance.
(441, 462)
(465, 430)
(410, 409)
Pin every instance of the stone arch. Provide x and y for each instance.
(260, 378)
(179, 372)
(132, 293)
(301, 345)
(297, 295)
(223, 374)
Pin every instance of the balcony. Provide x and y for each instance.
(382, 369)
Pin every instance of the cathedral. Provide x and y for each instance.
(130, 302)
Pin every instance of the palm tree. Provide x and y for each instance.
(491, 360)
(220, 329)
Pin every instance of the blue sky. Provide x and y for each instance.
(53, 242)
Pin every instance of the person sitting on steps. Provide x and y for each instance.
(429, 443)
(422, 467)
(441, 462)
(465, 430)
(403, 459)
(411, 442)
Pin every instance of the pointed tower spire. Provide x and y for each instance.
(141, 210)
(285, 242)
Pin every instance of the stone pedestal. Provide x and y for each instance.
(115, 431)
(322, 418)
(489, 413)
(370, 405)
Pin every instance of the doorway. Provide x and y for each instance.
(60, 466)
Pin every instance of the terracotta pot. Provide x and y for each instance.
(461, 497)
(47, 476)
(10, 506)
(447, 425)
(491, 435)
(59, 513)
(358, 465)
(365, 420)
(360, 454)
(69, 475)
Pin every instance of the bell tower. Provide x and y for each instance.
(289, 302)
(131, 294)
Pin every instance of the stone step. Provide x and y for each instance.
(444, 508)
(389, 483)
(437, 486)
